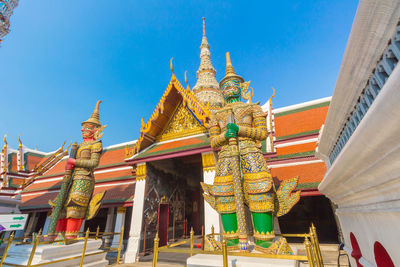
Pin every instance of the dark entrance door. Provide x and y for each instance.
(162, 223)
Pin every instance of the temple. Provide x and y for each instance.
(157, 177)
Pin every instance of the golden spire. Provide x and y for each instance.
(94, 118)
(230, 72)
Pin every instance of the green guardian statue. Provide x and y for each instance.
(242, 176)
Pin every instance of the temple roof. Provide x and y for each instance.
(174, 96)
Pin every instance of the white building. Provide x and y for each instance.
(360, 141)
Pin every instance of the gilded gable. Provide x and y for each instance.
(182, 123)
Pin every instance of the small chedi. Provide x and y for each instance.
(75, 202)
(242, 176)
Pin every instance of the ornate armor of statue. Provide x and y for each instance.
(75, 203)
(242, 176)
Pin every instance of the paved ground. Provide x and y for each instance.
(329, 255)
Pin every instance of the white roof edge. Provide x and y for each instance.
(374, 25)
(121, 144)
(304, 104)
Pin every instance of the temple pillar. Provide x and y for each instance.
(211, 216)
(132, 250)
(109, 226)
(45, 230)
(119, 222)
(33, 217)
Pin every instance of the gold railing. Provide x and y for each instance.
(311, 244)
(36, 241)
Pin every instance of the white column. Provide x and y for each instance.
(119, 222)
(132, 250)
(45, 230)
(211, 216)
(109, 226)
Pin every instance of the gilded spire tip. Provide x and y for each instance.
(229, 67)
(171, 65)
(204, 26)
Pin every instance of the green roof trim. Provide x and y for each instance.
(297, 135)
(294, 155)
(103, 202)
(58, 186)
(308, 185)
(323, 104)
(205, 142)
(34, 207)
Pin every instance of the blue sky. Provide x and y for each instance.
(62, 56)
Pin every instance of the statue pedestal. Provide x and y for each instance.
(202, 260)
(47, 253)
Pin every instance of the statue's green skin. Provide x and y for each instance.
(262, 222)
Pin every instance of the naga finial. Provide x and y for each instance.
(19, 140)
(4, 140)
(186, 81)
(171, 66)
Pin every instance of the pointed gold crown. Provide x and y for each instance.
(230, 72)
(94, 118)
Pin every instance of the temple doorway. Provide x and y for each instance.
(173, 199)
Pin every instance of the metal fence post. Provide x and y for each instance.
(191, 241)
(121, 237)
(317, 247)
(35, 244)
(84, 247)
(6, 249)
(97, 232)
(224, 254)
(310, 257)
(155, 250)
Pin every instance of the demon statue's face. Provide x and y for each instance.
(231, 89)
(88, 131)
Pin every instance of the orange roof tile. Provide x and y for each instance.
(299, 122)
(112, 156)
(307, 173)
(287, 150)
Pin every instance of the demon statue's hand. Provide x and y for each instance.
(232, 130)
(70, 164)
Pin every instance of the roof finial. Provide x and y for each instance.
(171, 66)
(204, 26)
(19, 140)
